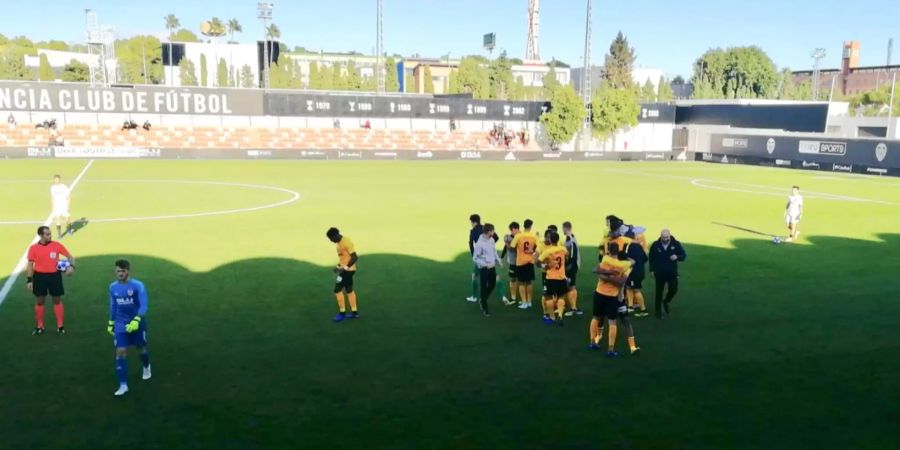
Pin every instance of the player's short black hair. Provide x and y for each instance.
(332, 232)
(514, 225)
(56, 176)
(796, 187)
(528, 223)
(554, 237)
(614, 222)
(613, 248)
(123, 264)
(487, 227)
(567, 225)
(552, 227)
(475, 218)
(41, 229)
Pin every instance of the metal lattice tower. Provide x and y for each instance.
(379, 50)
(532, 47)
(100, 40)
(816, 55)
(587, 75)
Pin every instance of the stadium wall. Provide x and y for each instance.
(809, 151)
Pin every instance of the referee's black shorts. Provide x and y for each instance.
(44, 284)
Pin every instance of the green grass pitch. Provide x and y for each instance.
(768, 346)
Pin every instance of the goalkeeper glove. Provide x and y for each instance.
(109, 328)
(133, 325)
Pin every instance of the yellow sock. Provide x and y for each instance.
(613, 329)
(639, 299)
(595, 331)
(629, 298)
(340, 301)
(560, 308)
(631, 343)
(352, 297)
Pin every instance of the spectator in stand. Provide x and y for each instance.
(147, 125)
(11, 121)
(452, 124)
(336, 124)
(367, 125)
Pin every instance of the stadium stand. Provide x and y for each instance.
(186, 137)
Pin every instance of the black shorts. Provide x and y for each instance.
(525, 273)
(606, 306)
(344, 281)
(48, 284)
(555, 288)
(512, 273)
(635, 282)
(573, 276)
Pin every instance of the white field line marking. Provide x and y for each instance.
(20, 266)
(294, 197)
(759, 189)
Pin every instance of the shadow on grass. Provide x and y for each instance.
(245, 356)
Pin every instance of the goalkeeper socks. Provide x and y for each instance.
(352, 297)
(340, 301)
(613, 329)
(145, 359)
(122, 369)
(39, 315)
(59, 311)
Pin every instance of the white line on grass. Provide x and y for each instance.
(20, 266)
(759, 189)
(294, 197)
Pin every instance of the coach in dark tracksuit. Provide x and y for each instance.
(665, 254)
(474, 236)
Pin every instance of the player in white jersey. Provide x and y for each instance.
(60, 199)
(792, 213)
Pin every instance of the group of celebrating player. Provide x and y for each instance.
(620, 272)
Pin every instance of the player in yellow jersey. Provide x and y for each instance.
(556, 287)
(613, 273)
(345, 270)
(525, 244)
(543, 243)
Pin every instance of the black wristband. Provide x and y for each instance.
(29, 279)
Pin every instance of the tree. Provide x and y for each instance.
(188, 72)
(664, 90)
(273, 32)
(550, 82)
(500, 77)
(429, 80)
(15, 68)
(246, 76)
(678, 80)
(76, 71)
(613, 109)
(234, 27)
(391, 83)
(314, 79)
(517, 90)
(53, 45)
(45, 72)
(787, 89)
(453, 82)
(172, 24)
(565, 116)
(203, 71)
(338, 81)
(619, 63)
(648, 92)
(232, 81)
(216, 26)
(737, 72)
(222, 73)
(473, 77)
(326, 77)
(137, 54)
(354, 78)
(184, 35)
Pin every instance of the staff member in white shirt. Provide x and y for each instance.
(792, 213)
(487, 260)
(59, 195)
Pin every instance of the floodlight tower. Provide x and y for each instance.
(379, 49)
(264, 14)
(100, 42)
(586, 75)
(816, 55)
(532, 47)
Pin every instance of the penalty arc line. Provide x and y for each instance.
(20, 266)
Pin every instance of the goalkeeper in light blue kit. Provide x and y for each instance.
(127, 321)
